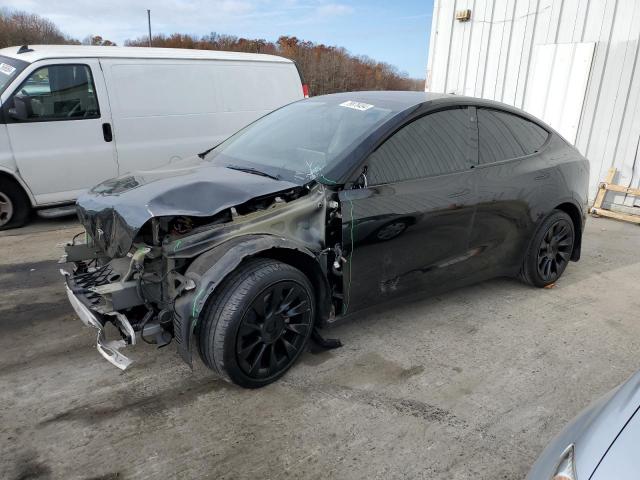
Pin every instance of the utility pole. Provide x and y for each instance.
(149, 23)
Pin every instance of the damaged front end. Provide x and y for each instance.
(124, 293)
(148, 276)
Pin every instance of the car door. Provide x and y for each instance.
(59, 125)
(408, 229)
(513, 177)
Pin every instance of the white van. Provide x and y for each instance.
(73, 116)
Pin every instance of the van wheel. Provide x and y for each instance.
(550, 250)
(14, 205)
(255, 328)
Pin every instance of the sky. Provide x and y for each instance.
(396, 32)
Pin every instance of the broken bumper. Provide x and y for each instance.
(109, 349)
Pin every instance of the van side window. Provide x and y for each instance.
(503, 136)
(435, 144)
(55, 92)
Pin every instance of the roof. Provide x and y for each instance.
(393, 99)
(41, 52)
(399, 101)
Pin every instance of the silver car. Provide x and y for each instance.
(599, 444)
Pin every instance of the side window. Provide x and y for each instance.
(502, 136)
(55, 92)
(435, 144)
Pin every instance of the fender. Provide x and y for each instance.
(580, 220)
(15, 175)
(210, 269)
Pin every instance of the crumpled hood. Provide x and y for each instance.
(114, 211)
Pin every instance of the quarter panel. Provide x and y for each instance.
(513, 197)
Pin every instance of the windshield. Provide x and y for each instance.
(9, 69)
(302, 140)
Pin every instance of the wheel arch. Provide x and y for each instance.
(210, 270)
(12, 177)
(577, 219)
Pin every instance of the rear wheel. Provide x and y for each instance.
(550, 250)
(258, 324)
(14, 205)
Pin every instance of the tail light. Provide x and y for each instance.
(305, 90)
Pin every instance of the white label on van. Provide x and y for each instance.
(7, 69)
(356, 105)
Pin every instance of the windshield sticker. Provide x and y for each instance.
(356, 105)
(7, 69)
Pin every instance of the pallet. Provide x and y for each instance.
(608, 186)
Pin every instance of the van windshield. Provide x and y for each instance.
(9, 69)
(300, 141)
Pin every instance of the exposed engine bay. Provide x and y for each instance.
(156, 291)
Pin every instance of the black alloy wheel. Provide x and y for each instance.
(549, 251)
(554, 250)
(257, 323)
(274, 329)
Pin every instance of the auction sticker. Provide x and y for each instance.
(356, 105)
(7, 69)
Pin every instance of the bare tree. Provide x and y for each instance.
(20, 28)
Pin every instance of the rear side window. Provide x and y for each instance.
(435, 144)
(502, 136)
(55, 92)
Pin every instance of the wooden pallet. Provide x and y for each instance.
(607, 186)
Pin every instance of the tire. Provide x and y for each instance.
(14, 205)
(550, 250)
(248, 338)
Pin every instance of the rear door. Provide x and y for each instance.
(513, 177)
(408, 230)
(58, 123)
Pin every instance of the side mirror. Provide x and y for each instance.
(20, 109)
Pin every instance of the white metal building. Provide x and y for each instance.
(573, 63)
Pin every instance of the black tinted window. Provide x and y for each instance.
(503, 136)
(56, 92)
(432, 145)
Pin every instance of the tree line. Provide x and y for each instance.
(325, 68)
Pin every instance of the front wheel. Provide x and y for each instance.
(14, 205)
(258, 323)
(550, 250)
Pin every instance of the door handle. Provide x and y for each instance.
(106, 132)
(461, 193)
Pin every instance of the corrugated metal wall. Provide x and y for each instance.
(491, 56)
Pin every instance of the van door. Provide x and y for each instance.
(59, 126)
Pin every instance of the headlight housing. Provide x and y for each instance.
(566, 469)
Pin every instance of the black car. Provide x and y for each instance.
(317, 210)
